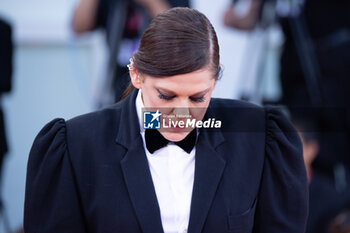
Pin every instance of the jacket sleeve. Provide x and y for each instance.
(52, 202)
(283, 196)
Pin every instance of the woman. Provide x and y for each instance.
(102, 172)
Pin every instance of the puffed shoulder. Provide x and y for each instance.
(278, 127)
(284, 190)
(282, 139)
(50, 141)
(51, 200)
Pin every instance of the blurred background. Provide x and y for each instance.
(68, 57)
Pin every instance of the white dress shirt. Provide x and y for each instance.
(172, 171)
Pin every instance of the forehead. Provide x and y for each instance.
(189, 83)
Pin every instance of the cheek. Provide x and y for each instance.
(150, 99)
(153, 102)
(199, 111)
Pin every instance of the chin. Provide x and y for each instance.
(175, 136)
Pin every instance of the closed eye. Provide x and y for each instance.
(197, 99)
(164, 97)
(167, 97)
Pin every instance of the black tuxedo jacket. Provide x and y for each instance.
(90, 174)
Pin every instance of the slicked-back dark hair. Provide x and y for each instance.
(178, 41)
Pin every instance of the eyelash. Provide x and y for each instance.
(168, 98)
(197, 100)
(164, 97)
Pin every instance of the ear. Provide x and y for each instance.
(135, 78)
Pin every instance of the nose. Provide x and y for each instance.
(181, 111)
(182, 108)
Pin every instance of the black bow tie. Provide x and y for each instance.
(155, 141)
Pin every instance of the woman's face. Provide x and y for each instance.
(178, 96)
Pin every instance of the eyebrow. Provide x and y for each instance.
(171, 93)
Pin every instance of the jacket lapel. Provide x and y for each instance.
(209, 167)
(140, 186)
(136, 171)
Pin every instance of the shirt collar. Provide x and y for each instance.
(139, 107)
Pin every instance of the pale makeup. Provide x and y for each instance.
(184, 94)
